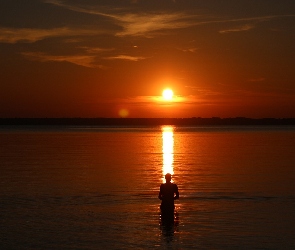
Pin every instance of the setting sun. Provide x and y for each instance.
(167, 94)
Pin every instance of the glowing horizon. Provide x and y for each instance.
(115, 58)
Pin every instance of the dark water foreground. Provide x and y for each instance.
(97, 188)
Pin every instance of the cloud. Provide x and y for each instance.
(91, 50)
(142, 24)
(147, 24)
(237, 29)
(191, 50)
(149, 100)
(259, 79)
(125, 57)
(81, 60)
(14, 35)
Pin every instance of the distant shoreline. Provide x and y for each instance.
(194, 121)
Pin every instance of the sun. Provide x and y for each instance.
(167, 94)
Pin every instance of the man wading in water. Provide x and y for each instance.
(168, 193)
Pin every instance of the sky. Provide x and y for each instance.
(113, 58)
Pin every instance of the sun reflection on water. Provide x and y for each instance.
(168, 154)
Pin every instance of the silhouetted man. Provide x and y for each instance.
(168, 193)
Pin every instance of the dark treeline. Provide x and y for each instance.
(194, 121)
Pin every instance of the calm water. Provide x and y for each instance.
(96, 188)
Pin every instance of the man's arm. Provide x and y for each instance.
(160, 196)
(160, 193)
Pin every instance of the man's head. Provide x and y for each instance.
(168, 177)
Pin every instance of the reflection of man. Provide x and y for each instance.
(168, 193)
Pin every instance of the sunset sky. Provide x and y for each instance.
(112, 58)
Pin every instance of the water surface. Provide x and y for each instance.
(95, 188)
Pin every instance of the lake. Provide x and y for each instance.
(97, 187)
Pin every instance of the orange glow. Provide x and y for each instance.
(168, 154)
(123, 113)
(153, 65)
(167, 94)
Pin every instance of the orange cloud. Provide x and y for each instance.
(125, 57)
(14, 35)
(237, 29)
(82, 60)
